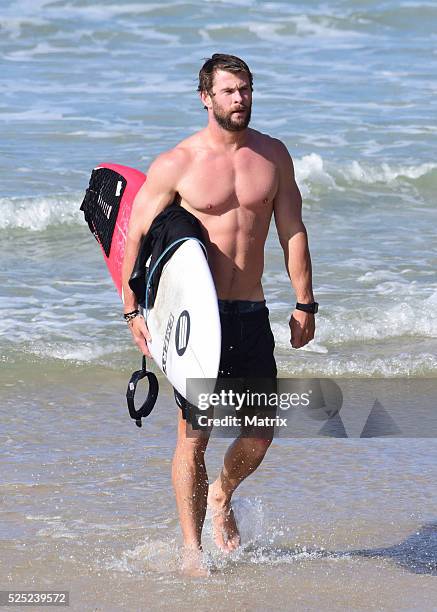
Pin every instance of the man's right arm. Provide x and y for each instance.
(155, 195)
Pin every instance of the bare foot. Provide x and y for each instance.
(224, 526)
(193, 563)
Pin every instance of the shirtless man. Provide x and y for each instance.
(232, 178)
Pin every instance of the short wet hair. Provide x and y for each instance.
(221, 61)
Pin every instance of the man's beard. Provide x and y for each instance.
(229, 121)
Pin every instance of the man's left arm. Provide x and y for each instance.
(294, 241)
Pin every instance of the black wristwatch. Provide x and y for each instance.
(313, 307)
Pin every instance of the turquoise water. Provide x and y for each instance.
(350, 87)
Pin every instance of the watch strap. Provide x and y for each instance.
(312, 307)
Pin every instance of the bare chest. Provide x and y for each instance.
(217, 183)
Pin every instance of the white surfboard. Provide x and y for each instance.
(184, 322)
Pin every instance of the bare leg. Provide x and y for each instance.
(242, 458)
(190, 483)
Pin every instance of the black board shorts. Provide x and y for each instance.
(247, 344)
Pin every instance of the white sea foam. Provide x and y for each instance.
(114, 10)
(39, 213)
(45, 48)
(33, 115)
(56, 529)
(376, 276)
(403, 364)
(321, 27)
(384, 173)
(270, 32)
(92, 12)
(83, 352)
(282, 29)
(98, 134)
(311, 169)
(160, 556)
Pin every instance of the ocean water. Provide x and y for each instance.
(350, 87)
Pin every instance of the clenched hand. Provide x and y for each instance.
(302, 328)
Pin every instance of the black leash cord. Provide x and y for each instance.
(149, 403)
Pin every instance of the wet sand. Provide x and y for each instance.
(88, 507)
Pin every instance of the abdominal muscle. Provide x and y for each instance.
(235, 244)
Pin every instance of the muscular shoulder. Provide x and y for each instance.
(169, 168)
(281, 154)
(171, 163)
(274, 148)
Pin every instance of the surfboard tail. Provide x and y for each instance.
(107, 207)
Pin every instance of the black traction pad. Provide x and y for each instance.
(101, 204)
